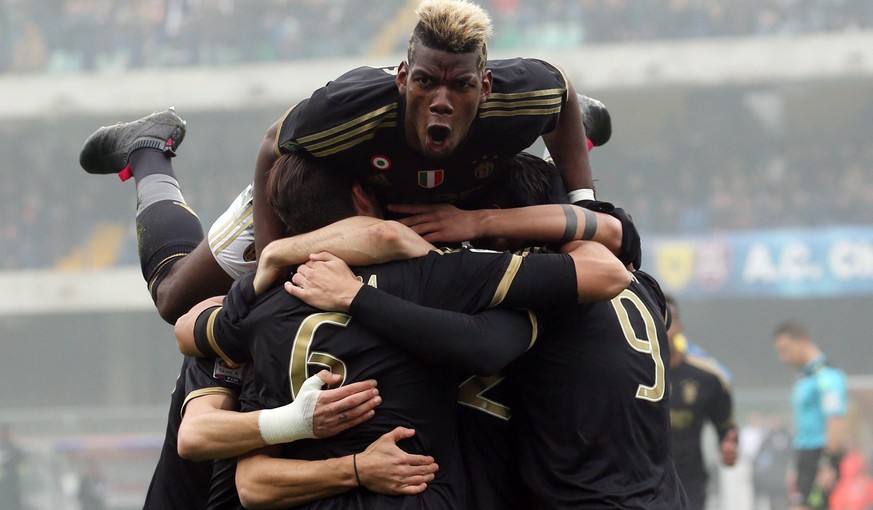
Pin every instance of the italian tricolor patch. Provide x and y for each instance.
(430, 178)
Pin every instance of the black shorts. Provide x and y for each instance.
(807, 468)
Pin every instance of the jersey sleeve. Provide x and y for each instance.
(471, 280)
(832, 392)
(526, 94)
(211, 376)
(720, 411)
(537, 281)
(221, 331)
(482, 344)
(342, 113)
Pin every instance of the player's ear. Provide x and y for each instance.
(402, 76)
(365, 204)
(486, 86)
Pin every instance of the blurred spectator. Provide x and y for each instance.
(771, 464)
(92, 491)
(85, 35)
(11, 464)
(854, 491)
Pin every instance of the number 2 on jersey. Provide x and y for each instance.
(649, 346)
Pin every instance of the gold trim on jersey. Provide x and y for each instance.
(534, 328)
(515, 105)
(210, 336)
(513, 113)
(369, 135)
(277, 151)
(445, 250)
(537, 102)
(709, 365)
(215, 390)
(506, 281)
(515, 96)
(348, 134)
(364, 129)
(231, 229)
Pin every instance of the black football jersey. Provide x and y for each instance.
(355, 123)
(699, 392)
(591, 410)
(207, 376)
(488, 445)
(283, 341)
(178, 483)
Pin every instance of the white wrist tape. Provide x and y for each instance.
(580, 194)
(292, 421)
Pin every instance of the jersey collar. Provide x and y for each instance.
(814, 366)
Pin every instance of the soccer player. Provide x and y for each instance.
(699, 393)
(167, 230)
(591, 412)
(211, 428)
(820, 402)
(592, 415)
(245, 332)
(439, 127)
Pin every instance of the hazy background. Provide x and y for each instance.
(741, 145)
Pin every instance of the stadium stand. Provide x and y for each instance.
(62, 36)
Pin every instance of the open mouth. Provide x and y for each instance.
(438, 138)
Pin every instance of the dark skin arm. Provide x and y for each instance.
(544, 223)
(268, 226)
(567, 145)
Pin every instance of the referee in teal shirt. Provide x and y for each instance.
(820, 402)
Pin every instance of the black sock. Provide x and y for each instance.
(166, 231)
(147, 161)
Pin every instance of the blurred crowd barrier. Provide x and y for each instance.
(62, 36)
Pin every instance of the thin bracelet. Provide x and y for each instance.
(355, 464)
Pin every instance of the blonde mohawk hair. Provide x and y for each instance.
(456, 26)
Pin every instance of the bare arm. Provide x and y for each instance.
(265, 481)
(828, 464)
(567, 145)
(268, 227)
(599, 275)
(836, 431)
(211, 427)
(360, 241)
(544, 223)
(834, 402)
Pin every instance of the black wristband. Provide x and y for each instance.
(355, 465)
